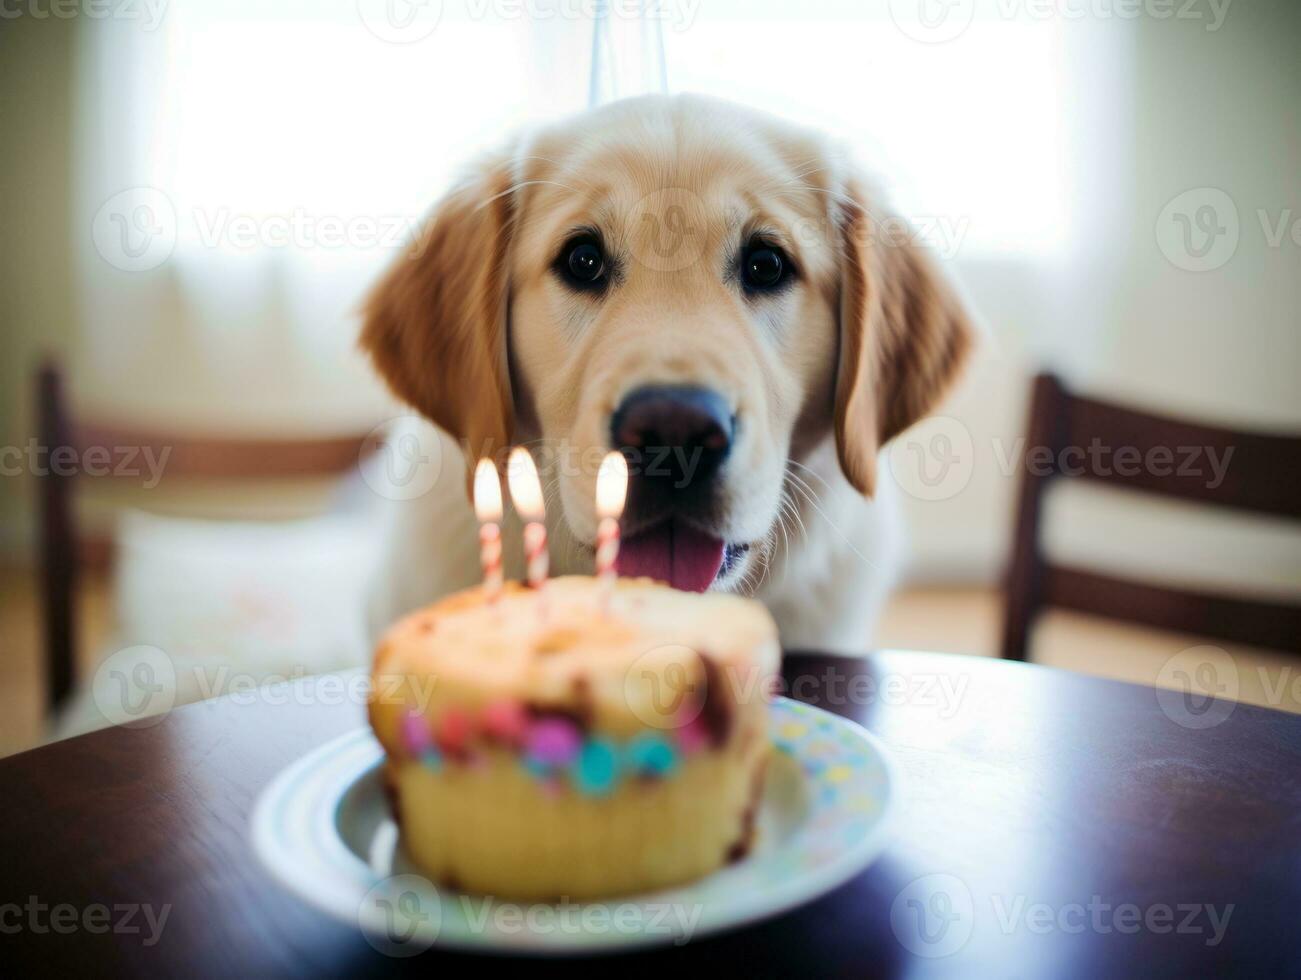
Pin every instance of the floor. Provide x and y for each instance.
(963, 620)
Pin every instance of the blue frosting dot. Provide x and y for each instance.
(652, 755)
(431, 758)
(597, 767)
(537, 768)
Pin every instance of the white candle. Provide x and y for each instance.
(526, 491)
(611, 490)
(487, 508)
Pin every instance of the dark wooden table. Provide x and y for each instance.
(1055, 825)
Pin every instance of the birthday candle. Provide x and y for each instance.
(526, 491)
(487, 508)
(611, 489)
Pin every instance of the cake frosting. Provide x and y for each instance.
(551, 745)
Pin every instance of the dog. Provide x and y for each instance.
(713, 291)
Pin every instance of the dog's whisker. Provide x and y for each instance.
(800, 183)
(756, 575)
(840, 197)
(802, 487)
(817, 163)
(800, 175)
(805, 493)
(788, 508)
(798, 519)
(789, 515)
(799, 487)
(810, 471)
(782, 513)
(815, 504)
(534, 156)
(521, 184)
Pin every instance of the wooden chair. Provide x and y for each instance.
(64, 552)
(1263, 476)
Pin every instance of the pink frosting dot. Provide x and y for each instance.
(693, 736)
(554, 741)
(454, 730)
(506, 720)
(415, 732)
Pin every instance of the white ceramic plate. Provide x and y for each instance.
(324, 830)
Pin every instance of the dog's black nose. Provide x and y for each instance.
(677, 433)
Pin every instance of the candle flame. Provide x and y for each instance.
(525, 488)
(611, 485)
(487, 493)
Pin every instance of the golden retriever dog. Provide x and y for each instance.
(709, 289)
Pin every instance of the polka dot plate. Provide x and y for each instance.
(323, 829)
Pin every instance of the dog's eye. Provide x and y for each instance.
(582, 263)
(586, 262)
(764, 267)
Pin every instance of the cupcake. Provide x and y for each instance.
(547, 746)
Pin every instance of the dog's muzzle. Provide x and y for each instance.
(676, 439)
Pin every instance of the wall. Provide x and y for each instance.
(1203, 109)
(36, 312)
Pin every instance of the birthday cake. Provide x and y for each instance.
(556, 743)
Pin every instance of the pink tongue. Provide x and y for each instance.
(671, 552)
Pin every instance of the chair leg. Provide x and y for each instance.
(1024, 580)
(58, 550)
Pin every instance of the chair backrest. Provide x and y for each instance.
(1262, 474)
(71, 448)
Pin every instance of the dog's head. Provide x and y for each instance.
(707, 288)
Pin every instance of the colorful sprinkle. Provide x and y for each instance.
(693, 736)
(598, 767)
(554, 747)
(415, 732)
(453, 731)
(554, 741)
(537, 769)
(506, 721)
(652, 755)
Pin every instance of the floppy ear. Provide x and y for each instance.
(435, 325)
(904, 338)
